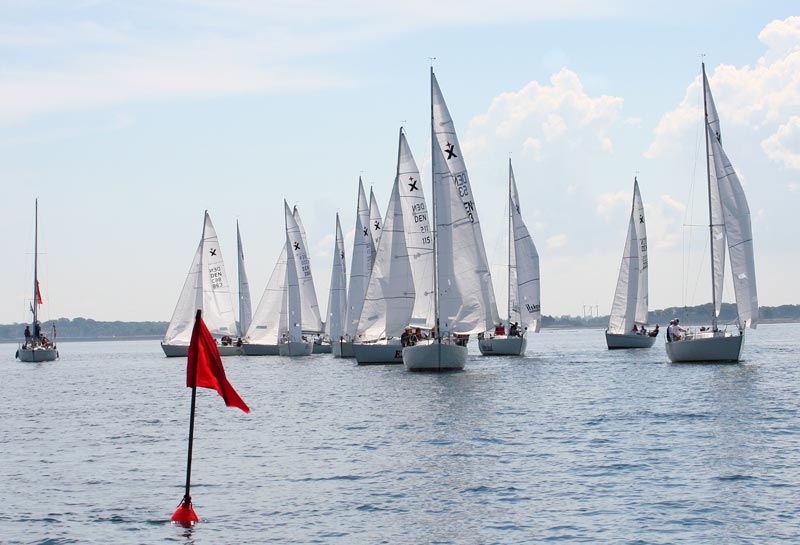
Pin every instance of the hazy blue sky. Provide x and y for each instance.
(128, 119)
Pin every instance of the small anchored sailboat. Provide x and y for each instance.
(293, 342)
(206, 288)
(524, 293)
(729, 222)
(464, 302)
(37, 346)
(626, 325)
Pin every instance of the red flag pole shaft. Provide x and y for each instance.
(187, 496)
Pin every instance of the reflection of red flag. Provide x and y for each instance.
(205, 367)
(38, 294)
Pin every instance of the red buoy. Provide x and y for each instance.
(184, 515)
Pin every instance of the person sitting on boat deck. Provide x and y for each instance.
(635, 328)
(461, 339)
(677, 330)
(513, 331)
(404, 338)
(27, 335)
(499, 329)
(643, 330)
(239, 342)
(226, 340)
(45, 340)
(670, 327)
(654, 332)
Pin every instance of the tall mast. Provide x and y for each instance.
(35, 266)
(510, 239)
(710, 216)
(434, 229)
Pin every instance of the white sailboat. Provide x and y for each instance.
(729, 221)
(389, 301)
(337, 297)
(245, 306)
(463, 293)
(524, 293)
(312, 319)
(262, 336)
(293, 341)
(37, 346)
(360, 268)
(206, 288)
(630, 306)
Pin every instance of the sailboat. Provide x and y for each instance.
(375, 223)
(464, 302)
(337, 296)
(293, 342)
(729, 221)
(389, 300)
(524, 299)
(37, 347)
(629, 309)
(262, 336)
(360, 269)
(206, 288)
(312, 320)
(245, 306)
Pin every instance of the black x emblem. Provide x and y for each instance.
(366, 231)
(342, 255)
(413, 184)
(450, 153)
(641, 218)
(213, 251)
(377, 226)
(296, 245)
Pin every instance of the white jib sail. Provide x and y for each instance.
(389, 300)
(180, 326)
(643, 291)
(294, 297)
(739, 235)
(717, 220)
(361, 264)
(265, 328)
(217, 303)
(419, 237)
(312, 321)
(245, 306)
(375, 222)
(445, 133)
(526, 306)
(337, 297)
(626, 296)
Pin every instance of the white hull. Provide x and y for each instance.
(182, 350)
(296, 349)
(434, 356)
(322, 348)
(37, 354)
(503, 346)
(617, 340)
(260, 349)
(707, 347)
(342, 349)
(378, 353)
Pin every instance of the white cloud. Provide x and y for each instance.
(608, 203)
(533, 148)
(792, 186)
(672, 203)
(757, 97)
(784, 145)
(557, 241)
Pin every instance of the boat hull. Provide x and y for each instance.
(37, 354)
(503, 346)
(378, 353)
(322, 348)
(260, 349)
(434, 356)
(342, 349)
(295, 349)
(182, 350)
(708, 348)
(616, 341)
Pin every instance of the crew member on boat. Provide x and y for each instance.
(27, 336)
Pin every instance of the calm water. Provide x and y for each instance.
(573, 444)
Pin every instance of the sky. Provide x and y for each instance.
(129, 119)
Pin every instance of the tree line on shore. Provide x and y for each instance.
(88, 329)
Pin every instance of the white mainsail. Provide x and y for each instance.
(337, 298)
(630, 304)
(717, 226)
(445, 134)
(419, 237)
(245, 306)
(524, 288)
(389, 300)
(375, 223)
(294, 297)
(206, 288)
(265, 328)
(361, 264)
(312, 321)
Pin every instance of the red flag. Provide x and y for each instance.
(38, 294)
(205, 366)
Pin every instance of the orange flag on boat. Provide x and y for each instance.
(38, 294)
(205, 366)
